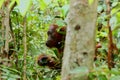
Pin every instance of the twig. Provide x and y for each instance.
(110, 43)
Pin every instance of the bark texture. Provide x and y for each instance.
(80, 40)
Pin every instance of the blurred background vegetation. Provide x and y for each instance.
(39, 15)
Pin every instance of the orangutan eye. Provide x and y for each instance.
(59, 42)
(49, 32)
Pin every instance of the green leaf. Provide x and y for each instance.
(90, 1)
(65, 10)
(102, 77)
(60, 22)
(18, 2)
(99, 9)
(115, 78)
(115, 71)
(116, 22)
(115, 9)
(24, 6)
(1, 3)
(43, 4)
(12, 3)
(114, 4)
(118, 17)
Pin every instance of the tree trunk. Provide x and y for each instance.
(80, 40)
(25, 49)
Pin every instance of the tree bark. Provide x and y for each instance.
(80, 40)
(110, 39)
(25, 49)
(7, 27)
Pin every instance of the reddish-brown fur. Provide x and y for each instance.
(47, 60)
(56, 38)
